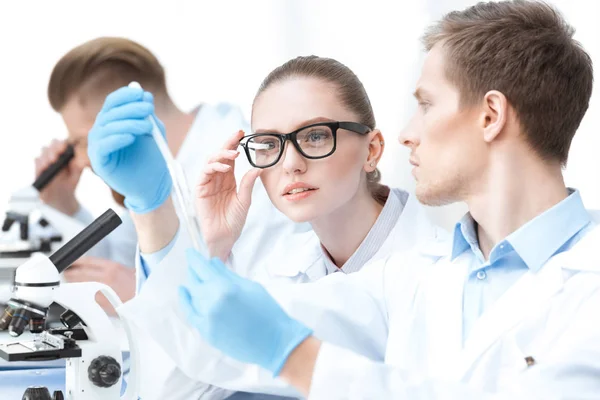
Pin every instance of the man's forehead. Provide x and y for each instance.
(434, 62)
(433, 71)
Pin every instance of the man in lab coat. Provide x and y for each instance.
(79, 81)
(506, 309)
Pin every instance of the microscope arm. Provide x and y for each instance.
(80, 298)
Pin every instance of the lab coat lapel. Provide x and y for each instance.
(414, 228)
(528, 294)
(443, 301)
(303, 259)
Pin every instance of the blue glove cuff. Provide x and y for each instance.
(143, 206)
(295, 333)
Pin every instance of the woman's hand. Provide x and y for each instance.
(222, 210)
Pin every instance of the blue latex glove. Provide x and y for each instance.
(124, 154)
(238, 316)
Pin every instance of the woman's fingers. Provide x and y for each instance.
(224, 155)
(246, 186)
(210, 170)
(234, 140)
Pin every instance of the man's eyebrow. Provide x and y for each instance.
(420, 93)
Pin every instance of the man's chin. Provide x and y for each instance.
(432, 197)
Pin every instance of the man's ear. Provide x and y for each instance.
(494, 114)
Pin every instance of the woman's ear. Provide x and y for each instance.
(376, 145)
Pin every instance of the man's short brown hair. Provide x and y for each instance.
(524, 49)
(100, 66)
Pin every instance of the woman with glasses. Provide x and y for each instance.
(315, 146)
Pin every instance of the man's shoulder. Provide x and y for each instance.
(419, 259)
(584, 256)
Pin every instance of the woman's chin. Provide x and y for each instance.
(300, 216)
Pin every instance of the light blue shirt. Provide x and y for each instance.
(561, 227)
(149, 260)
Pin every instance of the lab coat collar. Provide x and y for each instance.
(304, 253)
(584, 256)
(375, 238)
(412, 227)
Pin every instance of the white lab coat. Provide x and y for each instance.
(393, 330)
(297, 259)
(548, 317)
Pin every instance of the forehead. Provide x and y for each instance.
(79, 116)
(433, 73)
(286, 106)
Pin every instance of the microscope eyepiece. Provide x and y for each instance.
(85, 240)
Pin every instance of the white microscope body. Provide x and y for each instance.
(90, 343)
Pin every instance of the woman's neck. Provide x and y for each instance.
(342, 231)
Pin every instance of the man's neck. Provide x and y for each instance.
(342, 231)
(514, 192)
(177, 125)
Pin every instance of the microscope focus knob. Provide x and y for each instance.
(37, 393)
(104, 371)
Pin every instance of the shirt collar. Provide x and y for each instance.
(556, 226)
(465, 236)
(384, 224)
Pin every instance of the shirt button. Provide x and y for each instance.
(481, 275)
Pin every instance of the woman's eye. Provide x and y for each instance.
(316, 136)
(264, 145)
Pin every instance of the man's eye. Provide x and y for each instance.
(424, 105)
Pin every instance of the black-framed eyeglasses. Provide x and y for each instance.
(313, 141)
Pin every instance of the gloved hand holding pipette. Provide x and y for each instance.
(128, 149)
(124, 154)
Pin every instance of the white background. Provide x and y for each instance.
(221, 50)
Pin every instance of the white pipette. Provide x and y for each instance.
(181, 191)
